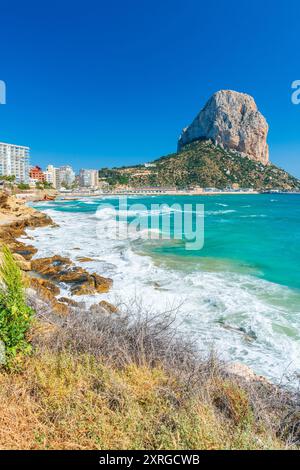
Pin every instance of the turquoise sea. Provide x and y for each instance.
(239, 294)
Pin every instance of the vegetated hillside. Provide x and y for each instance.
(204, 164)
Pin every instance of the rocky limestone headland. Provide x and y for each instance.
(231, 120)
(45, 276)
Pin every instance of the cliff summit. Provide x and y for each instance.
(232, 120)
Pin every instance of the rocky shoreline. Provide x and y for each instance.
(45, 276)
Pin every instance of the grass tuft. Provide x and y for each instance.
(15, 315)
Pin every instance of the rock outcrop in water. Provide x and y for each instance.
(232, 120)
(62, 270)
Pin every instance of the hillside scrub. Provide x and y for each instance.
(67, 401)
(129, 380)
(204, 164)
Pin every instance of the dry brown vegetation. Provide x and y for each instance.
(129, 381)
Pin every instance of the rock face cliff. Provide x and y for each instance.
(232, 120)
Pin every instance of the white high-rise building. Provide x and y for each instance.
(52, 176)
(88, 178)
(66, 176)
(14, 161)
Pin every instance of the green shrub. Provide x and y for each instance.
(15, 315)
(23, 186)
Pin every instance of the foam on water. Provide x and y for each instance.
(243, 317)
(220, 212)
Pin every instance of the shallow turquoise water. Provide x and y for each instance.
(240, 294)
(261, 236)
(254, 234)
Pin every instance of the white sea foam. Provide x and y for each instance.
(220, 212)
(242, 317)
(253, 216)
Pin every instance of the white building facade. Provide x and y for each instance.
(66, 176)
(88, 178)
(14, 161)
(52, 176)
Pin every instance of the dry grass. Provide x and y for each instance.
(62, 401)
(128, 381)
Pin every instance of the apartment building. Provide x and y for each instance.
(66, 176)
(52, 176)
(88, 178)
(36, 175)
(14, 161)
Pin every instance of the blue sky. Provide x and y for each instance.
(100, 83)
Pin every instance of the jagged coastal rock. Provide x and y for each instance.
(232, 120)
(43, 276)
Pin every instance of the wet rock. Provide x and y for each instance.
(83, 259)
(103, 308)
(85, 288)
(74, 275)
(52, 266)
(46, 291)
(245, 372)
(44, 287)
(26, 251)
(91, 285)
(17, 217)
(22, 262)
(60, 308)
(59, 269)
(97, 309)
(108, 306)
(102, 284)
(68, 301)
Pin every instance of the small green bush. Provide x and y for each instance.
(23, 186)
(15, 315)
